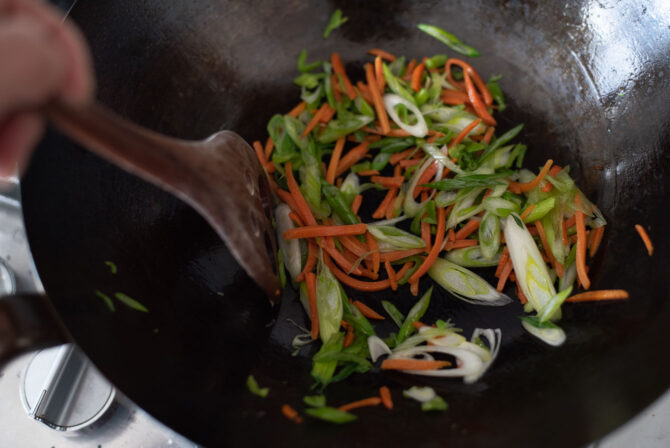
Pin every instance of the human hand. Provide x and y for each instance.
(41, 59)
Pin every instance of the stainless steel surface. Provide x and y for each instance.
(63, 390)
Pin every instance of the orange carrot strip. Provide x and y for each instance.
(399, 156)
(603, 294)
(408, 163)
(476, 101)
(570, 222)
(390, 133)
(376, 96)
(337, 91)
(459, 244)
(269, 146)
(360, 285)
(489, 135)
(381, 210)
(327, 115)
(516, 187)
(390, 208)
(467, 229)
(400, 254)
(502, 262)
(645, 238)
(260, 152)
(356, 204)
(581, 245)
(311, 260)
(425, 233)
(435, 250)
(527, 212)
(310, 279)
(297, 110)
(344, 263)
(596, 240)
(286, 197)
(391, 275)
(338, 68)
(372, 401)
(409, 70)
(299, 200)
(354, 245)
(385, 395)
(291, 414)
(335, 160)
(520, 294)
(296, 219)
(413, 364)
(385, 55)
(555, 170)
(368, 173)
(315, 120)
(316, 231)
(367, 311)
(464, 133)
(388, 182)
(419, 325)
(507, 270)
(467, 68)
(454, 97)
(374, 248)
(351, 158)
(379, 74)
(349, 337)
(416, 76)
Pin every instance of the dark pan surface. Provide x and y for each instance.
(591, 80)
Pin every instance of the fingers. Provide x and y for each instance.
(17, 135)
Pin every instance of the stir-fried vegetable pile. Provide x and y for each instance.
(456, 198)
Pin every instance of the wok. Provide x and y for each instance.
(591, 80)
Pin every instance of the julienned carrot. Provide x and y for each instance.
(379, 74)
(286, 197)
(467, 229)
(367, 311)
(502, 262)
(596, 239)
(390, 133)
(354, 245)
(419, 325)
(545, 243)
(391, 274)
(464, 133)
(504, 275)
(603, 294)
(337, 90)
(297, 110)
(519, 292)
(410, 69)
(327, 115)
(338, 68)
(400, 156)
(413, 364)
(555, 170)
(374, 248)
(416, 76)
(356, 204)
(489, 134)
(351, 158)
(527, 212)
(381, 210)
(349, 337)
(315, 119)
(372, 401)
(581, 245)
(400, 254)
(518, 188)
(476, 101)
(300, 202)
(376, 96)
(310, 279)
(459, 244)
(311, 260)
(570, 222)
(269, 146)
(360, 285)
(385, 55)
(645, 238)
(391, 206)
(388, 182)
(481, 86)
(296, 219)
(425, 233)
(260, 152)
(366, 173)
(316, 231)
(291, 413)
(435, 250)
(385, 395)
(408, 163)
(344, 263)
(335, 160)
(454, 97)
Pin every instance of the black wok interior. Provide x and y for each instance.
(591, 80)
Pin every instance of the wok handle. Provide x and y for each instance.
(28, 322)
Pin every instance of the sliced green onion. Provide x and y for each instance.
(496, 92)
(323, 372)
(315, 401)
(105, 298)
(420, 129)
(130, 302)
(336, 21)
(342, 127)
(303, 66)
(529, 267)
(465, 206)
(338, 203)
(499, 142)
(436, 61)
(465, 284)
(541, 209)
(420, 394)
(469, 181)
(393, 238)
(441, 156)
(354, 316)
(112, 266)
(328, 303)
(500, 207)
(547, 332)
(332, 415)
(393, 312)
(554, 304)
(377, 348)
(410, 206)
(380, 161)
(255, 389)
(416, 313)
(396, 85)
(472, 257)
(489, 235)
(448, 39)
(436, 404)
(290, 249)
